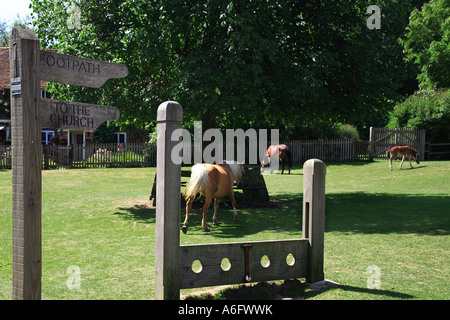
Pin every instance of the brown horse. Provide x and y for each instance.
(282, 152)
(403, 151)
(213, 181)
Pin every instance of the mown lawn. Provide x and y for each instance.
(97, 220)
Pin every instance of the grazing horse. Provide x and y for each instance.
(282, 152)
(403, 151)
(213, 181)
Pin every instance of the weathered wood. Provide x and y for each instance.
(254, 187)
(79, 71)
(381, 139)
(61, 114)
(314, 172)
(211, 255)
(168, 197)
(26, 166)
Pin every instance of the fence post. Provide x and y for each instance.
(168, 204)
(26, 164)
(314, 172)
(371, 144)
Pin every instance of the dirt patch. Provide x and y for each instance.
(293, 289)
(141, 203)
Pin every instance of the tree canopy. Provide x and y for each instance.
(427, 43)
(295, 65)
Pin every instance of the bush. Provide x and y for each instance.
(429, 110)
(347, 131)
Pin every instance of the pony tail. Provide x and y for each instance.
(388, 153)
(198, 182)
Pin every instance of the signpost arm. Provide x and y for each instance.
(26, 165)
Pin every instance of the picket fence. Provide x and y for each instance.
(109, 155)
(99, 155)
(335, 150)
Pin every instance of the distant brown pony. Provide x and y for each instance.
(282, 152)
(403, 151)
(213, 181)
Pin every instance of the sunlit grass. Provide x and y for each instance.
(97, 219)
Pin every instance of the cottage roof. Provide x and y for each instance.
(4, 68)
(5, 79)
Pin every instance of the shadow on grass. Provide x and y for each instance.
(138, 212)
(382, 213)
(288, 290)
(356, 212)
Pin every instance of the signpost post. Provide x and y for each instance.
(28, 66)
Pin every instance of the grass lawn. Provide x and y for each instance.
(396, 223)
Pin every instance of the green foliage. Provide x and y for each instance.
(347, 131)
(263, 64)
(105, 133)
(5, 28)
(427, 43)
(429, 110)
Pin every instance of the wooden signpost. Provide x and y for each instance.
(74, 115)
(28, 66)
(78, 71)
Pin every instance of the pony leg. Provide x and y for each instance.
(390, 163)
(216, 207)
(401, 163)
(233, 201)
(188, 209)
(205, 211)
(410, 164)
(282, 166)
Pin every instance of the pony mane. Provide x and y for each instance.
(236, 168)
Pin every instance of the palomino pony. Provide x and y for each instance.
(213, 181)
(282, 152)
(403, 151)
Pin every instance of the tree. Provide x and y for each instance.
(300, 66)
(427, 43)
(427, 109)
(5, 29)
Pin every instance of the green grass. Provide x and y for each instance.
(397, 221)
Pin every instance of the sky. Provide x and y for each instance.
(10, 9)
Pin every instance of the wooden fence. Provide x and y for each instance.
(381, 139)
(99, 155)
(437, 151)
(5, 157)
(336, 150)
(109, 155)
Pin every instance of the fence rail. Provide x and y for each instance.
(336, 150)
(5, 157)
(98, 155)
(382, 139)
(437, 151)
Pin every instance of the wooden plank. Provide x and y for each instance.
(26, 167)
(59, 114)
(211, 256)
(79, 71)
(314, 172)
(168, 210)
